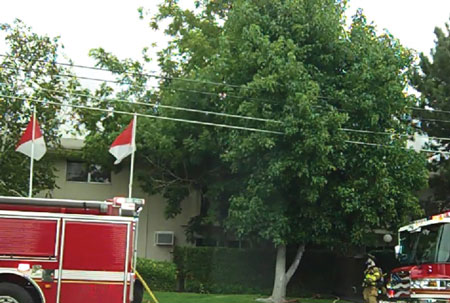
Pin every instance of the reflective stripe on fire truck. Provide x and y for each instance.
(80, 275)
(401, 293)
(431, 295)
(90, 275)
(400, 285)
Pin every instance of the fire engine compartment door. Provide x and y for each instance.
(95, 262)
(28, 237)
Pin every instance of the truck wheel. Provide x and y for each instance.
(138, 292)
(13, 293)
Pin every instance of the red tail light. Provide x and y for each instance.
(390, 293)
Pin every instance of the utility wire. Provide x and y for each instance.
(151, 75)
(154, 75)
(160, 105)
(147, 116)
(226, 95)
(383, 145)
(435, 120)
(216, 95)
(387, 133)
(200, 122)
(224, 114)
(430, 110)
(196, 91)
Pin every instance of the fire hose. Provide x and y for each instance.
(147, 288)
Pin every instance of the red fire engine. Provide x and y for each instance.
(68, 251)
(424, 255)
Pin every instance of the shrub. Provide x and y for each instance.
(225, 270)
(159, 275)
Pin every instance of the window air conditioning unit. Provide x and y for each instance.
(164, 238)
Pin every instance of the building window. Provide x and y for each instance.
(79, 171)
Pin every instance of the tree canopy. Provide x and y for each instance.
(295, 62)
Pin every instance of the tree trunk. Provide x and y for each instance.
(280, 283)
(282, 277)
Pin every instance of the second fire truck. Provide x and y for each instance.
(424, 255)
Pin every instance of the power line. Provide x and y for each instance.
(196, 91)
(147, 116)
(225, 115)
(153, 75)
(140, 74)
(216, 95)
(383, 145)
(162, 106)
(435, 120)
(200, 122)
(153, 86)
(430, 110)
(387, 133)
(226, 95)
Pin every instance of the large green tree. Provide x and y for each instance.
(433, 82)
(29, 77)
(295, 62)
(295, 65)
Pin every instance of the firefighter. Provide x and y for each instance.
(372, 278)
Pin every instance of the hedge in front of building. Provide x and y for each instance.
(224, 270)
(159, 275)
(231, 270)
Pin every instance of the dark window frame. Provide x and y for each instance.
(86, 176)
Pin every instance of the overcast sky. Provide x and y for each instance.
(115, 26)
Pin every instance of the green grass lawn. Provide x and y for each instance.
(174, 297)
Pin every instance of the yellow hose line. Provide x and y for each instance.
(146, 286)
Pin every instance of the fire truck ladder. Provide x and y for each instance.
(84, 204)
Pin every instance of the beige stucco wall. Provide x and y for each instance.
(151, 219)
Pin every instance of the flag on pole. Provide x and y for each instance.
(25, 145)
(124, 145)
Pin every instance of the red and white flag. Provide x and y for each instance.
(25, 145)
(124, 145)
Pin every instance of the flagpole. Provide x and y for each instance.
(30, 188)
(133, 144)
